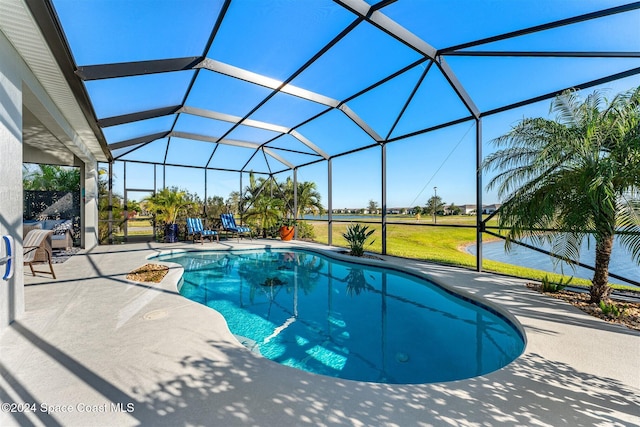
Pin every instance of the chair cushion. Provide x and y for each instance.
(48, 224)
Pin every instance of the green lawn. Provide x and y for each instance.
(138, 226)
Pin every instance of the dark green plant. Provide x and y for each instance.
(356, 237)
(167, 203)
(51, 178)
(576, 175)
(263, 211)
(305, 230)
(611, 310)
(549, 286)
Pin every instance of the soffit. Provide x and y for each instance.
(18, 25)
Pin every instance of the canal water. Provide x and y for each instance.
(621, 261)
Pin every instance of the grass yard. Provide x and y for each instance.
(138, 226)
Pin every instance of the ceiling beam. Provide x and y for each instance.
(233, 119)
(586, 85)
(139, 140)
(406, 37)
(137, 116)
(548, 26)
(543, 54)
(389, 26)
(361, 123)
(268, 82)
(129, 69)
(297, 135)
(277, 157)
(217, 140)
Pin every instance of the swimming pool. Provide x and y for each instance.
(353, 321)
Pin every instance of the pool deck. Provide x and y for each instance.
(96, 349)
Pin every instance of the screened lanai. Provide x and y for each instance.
(386, 101)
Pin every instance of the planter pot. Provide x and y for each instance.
(171, 233)
(286, 233)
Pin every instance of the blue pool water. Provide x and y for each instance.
(351, 321)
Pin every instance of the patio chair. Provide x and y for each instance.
(195, 229)
(37, 249)
(229, 226)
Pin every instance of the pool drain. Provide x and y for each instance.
(402, 357)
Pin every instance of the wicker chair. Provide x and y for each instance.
(37, 249)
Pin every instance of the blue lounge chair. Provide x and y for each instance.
(196, 230)
(229, 225)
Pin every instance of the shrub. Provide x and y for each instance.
(356, 236)
(306, 230)
(549, 286)
(612, 310)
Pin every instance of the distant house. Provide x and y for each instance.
(489, 209)
(467, 209)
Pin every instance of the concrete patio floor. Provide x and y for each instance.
(95, 349)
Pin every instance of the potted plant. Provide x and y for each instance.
(287, 228)
(166, 204)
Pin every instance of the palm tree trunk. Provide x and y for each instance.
(599, 285)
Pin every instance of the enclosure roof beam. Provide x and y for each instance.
(233, 119)
(375, 17)
(457, 86)
(139, 140)
(268, 82)
(277, 157)
(401, 34)
(217, 140)
(544, 54)
(555, 24)
(129, 69)
(297, 135)
(361, 123)
(137, 116)
(586, 85)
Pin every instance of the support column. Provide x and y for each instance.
(330, 204)
(90, 205)
(240, 198)
(384, 198)
(479, 223)
(295, 200)
(126, 202)
(110, 206)
(11, 198)
(204, 205)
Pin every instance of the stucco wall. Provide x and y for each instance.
(18, 87)
(11, 66)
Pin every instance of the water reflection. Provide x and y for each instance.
(347, 320)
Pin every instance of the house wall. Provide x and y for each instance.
(11, 68)
(19, 88)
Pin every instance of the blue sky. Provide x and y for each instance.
(275, 38)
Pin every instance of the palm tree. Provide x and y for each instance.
(578, 176)
(309, 198)
(168, 203)
(51, 178)
(264, 209)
